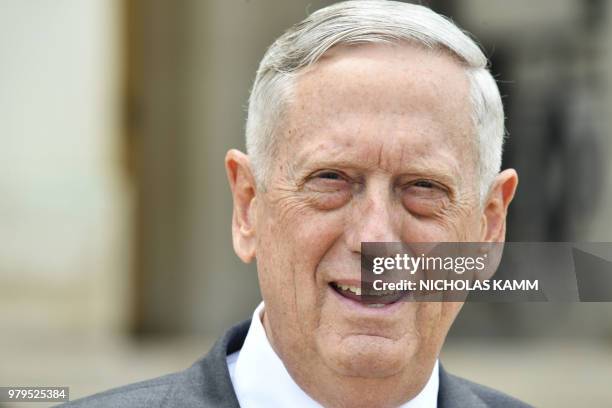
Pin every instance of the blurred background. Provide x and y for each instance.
(116, 262)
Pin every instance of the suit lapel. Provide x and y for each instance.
(207, 382)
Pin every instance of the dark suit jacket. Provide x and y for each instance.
(207, 384)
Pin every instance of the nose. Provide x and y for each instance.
(373, 217)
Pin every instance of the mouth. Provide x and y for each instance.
(367, 296)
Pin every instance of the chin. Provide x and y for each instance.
(369, 356)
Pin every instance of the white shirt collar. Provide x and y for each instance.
(261, 380)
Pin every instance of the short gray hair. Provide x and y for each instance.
(369, 21)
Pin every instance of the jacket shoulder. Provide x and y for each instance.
(149, 393)
(206, 383)
(490, 396)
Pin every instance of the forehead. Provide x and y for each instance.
(403, 101)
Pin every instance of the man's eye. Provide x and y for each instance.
(424, 184)
(329, 175)
(425, 189)
(330, 189)
(424, 197)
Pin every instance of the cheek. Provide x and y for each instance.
(458, 225)
(292, 240)
(428, 230)
(469, 225)
(434, 321)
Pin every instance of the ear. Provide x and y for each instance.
(496, 206)
(242, 184)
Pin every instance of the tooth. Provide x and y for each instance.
(376, 305)
(358, 291)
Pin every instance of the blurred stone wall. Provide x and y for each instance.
(65, 206)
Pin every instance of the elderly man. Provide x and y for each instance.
(368, 121)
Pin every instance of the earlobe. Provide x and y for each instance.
(243, 187)
(496, 206)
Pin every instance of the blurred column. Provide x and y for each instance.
(193, 63)
(65, 202)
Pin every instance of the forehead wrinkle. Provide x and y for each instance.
(430, 150)
(439, 164)
(391, 146)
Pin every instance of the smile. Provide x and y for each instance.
(367, 296)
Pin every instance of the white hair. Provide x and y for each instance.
(369, 21)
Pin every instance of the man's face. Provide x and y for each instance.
(377, 145)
